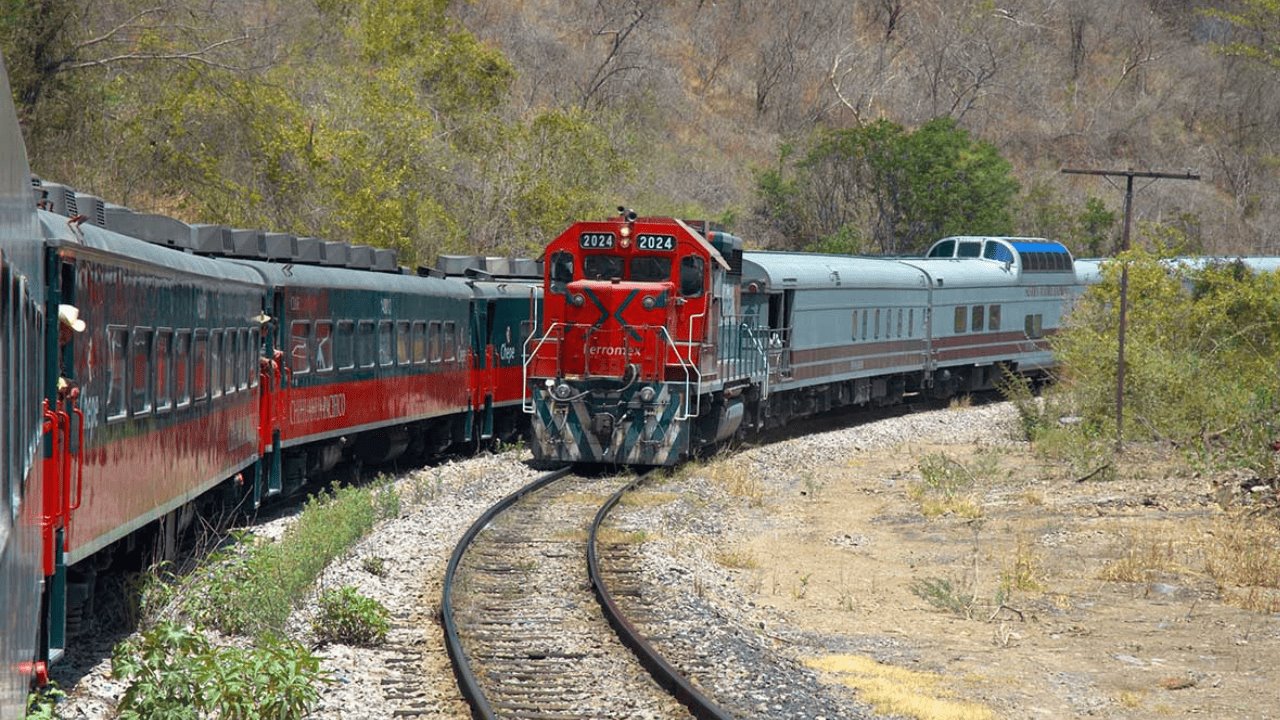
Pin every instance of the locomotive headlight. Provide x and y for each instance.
(562, 391)
(577, 299)
(649, 302)
(647, 394)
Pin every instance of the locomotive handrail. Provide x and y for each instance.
(526, 398)
(689, 371)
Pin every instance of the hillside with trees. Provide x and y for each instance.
(488, 125)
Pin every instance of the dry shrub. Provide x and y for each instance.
(1242, 554)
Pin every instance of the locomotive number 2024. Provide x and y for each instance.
(595, 241)
(645, 241)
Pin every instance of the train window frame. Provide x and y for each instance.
(603, 267)
(116, 405)
(182, 368)
(962, 317)
(433, 342)
(561, 270)
(255, 351)
(163, 353)
(449, 341)
(978, 321)
(1033, 326)
(404, 347)
(325, 346)
(344, 345)
(215, 363)
(693, 272)
(386, 343)
(366, 352)
(230, 360)
(200, 365)
(300, 347)
(993, 318)
(419, 338)
(650, 268)
(248, 352)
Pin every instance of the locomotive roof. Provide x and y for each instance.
(348, 279)
(786, 270)
(58, 227)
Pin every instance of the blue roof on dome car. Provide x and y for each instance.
(1048, 246)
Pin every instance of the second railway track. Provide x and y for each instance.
(528, 637)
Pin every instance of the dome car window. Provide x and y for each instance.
(944, 249)
(969, 250)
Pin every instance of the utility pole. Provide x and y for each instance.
(1129, 175)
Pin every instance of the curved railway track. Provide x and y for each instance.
(526, 636)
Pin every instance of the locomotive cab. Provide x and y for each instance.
(629, 339)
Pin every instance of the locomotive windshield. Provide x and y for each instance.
(601, 267)
(646, 268)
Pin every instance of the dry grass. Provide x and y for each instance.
(1025, 572)
(737, 560)
(736, 477)
(897, 691)
(1146, 559)
(1242, 554)
(610, 536)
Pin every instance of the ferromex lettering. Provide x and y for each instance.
(325, 407)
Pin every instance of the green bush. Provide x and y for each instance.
(1200, 355)
(254, 590)
(176, 673)
(350, 618)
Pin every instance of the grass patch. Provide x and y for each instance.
(736, 477)
(946, 485)
(1146, 560)
(251, 587)
(1024, 572)
(897, 691)
(737, 560)
(1243, 557)
(610, 536)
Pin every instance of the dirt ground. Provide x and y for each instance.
(1015, 591)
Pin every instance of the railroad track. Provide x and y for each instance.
(527, 636)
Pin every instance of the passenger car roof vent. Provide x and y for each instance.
(93, 208)
(333, 253)
(360, 257)
(59, 199)
(384, 260)
(156, 229)
(279, 246)
(211, 239)
(310, 250)
(458, 264)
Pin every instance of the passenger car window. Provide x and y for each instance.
(164, 369)
(977, 323)
(365, 343)
(117, 339)
(962, 314)
(344, 355)
(404, 351)
(324, 344)
(182, 368)
(969, 250)
(200, 365)
(385, 356)
(299, 347)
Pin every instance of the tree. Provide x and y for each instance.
(1257, 25)
(900, 190)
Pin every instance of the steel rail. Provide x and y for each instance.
(663, 672)
(467, 682)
